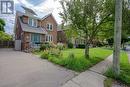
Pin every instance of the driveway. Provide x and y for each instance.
(19, 69)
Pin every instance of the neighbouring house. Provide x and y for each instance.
(61, 36)
(31, 31)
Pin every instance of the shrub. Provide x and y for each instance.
(81, 46)
(52, 45)
(45, 54)
(55, 52)
(44, 46)
(70, 45)
(60, 46)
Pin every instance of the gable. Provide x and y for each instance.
(50, 19)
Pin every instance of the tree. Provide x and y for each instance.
(86, 17)
(2, 24)
(4, 36)
(107, 28)
(117, 36)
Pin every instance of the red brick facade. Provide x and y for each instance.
(25, 37)
(53, 32)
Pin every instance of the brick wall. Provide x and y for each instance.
(54, 31)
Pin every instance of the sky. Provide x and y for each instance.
(41, 8)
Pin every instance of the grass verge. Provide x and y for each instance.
(108, 82)
(124, 76)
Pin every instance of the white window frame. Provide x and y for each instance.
(36, 22)
(49, 38)
(29, 21)
(33, 22)
(49, 26)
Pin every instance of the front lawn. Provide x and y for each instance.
(74, 58)
(124, 76)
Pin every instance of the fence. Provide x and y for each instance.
(6, 44)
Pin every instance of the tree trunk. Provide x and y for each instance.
(117, 36)
(86, 48)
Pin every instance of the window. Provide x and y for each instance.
(32, 22)
(35, 23)
(49, 38)
(49, 26)
(35, 38)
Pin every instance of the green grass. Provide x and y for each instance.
(79, 63)
(124, 76)
(108, 82)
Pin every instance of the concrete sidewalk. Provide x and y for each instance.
(92, 77)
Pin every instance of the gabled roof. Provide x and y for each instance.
(27, 28)
(46, 16)
(23, 14)
(29, 10)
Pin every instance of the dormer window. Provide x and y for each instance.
(32, 22)
(49, 26)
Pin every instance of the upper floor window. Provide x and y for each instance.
(32, 22)
(49, 26)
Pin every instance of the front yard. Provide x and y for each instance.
(74, 58)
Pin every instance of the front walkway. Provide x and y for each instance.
(19, 69)
(92, 77)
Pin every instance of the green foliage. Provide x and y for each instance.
(2, 24)
(60, 46)
(124, 76)
(4, 36)
(86, 17)
(108, 82)
(77, 64)
(70, 45)
(80, 46)
(45, 54)
(76, 60)
(107, 28)
(55, 52)
(44, 46)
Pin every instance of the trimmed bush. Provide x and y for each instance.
(81, 46)
(70, 45)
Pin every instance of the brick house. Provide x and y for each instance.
(33, 31)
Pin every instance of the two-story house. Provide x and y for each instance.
(32, 31)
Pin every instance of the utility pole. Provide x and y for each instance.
(117, 36)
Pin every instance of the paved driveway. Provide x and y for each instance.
(19, 69)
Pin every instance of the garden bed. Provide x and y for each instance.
(74, 58)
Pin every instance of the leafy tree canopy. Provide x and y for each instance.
(4, 36)
(2, 24)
